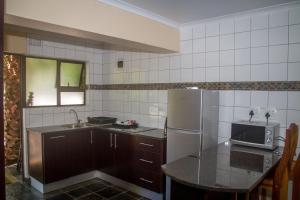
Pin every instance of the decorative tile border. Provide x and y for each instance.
(266, 85)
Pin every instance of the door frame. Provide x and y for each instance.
(2, 161)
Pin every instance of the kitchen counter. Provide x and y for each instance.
(225, 168)
(142, 131)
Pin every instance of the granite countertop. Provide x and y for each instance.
(142, 131)
(226, 168)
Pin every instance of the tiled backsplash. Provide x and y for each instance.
(258, 47)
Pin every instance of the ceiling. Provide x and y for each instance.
(185, 11)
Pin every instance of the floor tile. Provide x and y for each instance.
(109, 192)
(78, 192)
(91, 197)
(124, 196)
(94, 187)
(60, 197)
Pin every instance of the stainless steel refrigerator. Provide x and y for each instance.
(192, 123)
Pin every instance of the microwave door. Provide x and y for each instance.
(248, 133)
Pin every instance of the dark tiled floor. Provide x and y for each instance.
(95, 189)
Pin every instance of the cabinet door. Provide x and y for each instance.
(124, 155)
(56, 160)
(79, 150)
(103, 151)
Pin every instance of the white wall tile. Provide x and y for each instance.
(278, 54)
(199, 60)
(294, 100)
(242, 24)
(259, 22)
(294, 33)
(175, 62)
(241, 113)
(186, 46)
(224, 130)
(212, 43)
(199, 75)
(164, 63)
(279, 18)
(259, 99)
(226, 97)
(187, 61)
(242, 56)
(175, 75)
(212, 29)
(187, 75)
(278, 35)
(259, 38)
(212, 59)
(226, 27)
(226, 42)
(259, 72)
(294, 53)
(198, 45)
(259, 55)
(225, 114)
(293, 116)
(212, 74)
(278, 99)
(199, 31)
(278, 72)
(186, 33)
(242, 40)
(163, 76)
(227, 74)
(226, 58)
(294, 15)
(294, 71)
(242, 73)
(280, 117)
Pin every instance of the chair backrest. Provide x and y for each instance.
(296, 180)
(293, 145)
(281, 175)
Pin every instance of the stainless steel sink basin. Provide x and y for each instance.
(80, 125)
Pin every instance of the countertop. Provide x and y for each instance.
(226, 168)
(151, 132)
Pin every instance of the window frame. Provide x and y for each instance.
(59, 89)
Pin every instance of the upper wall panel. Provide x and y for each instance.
(93, 21)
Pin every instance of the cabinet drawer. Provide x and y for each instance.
(147, 160)
(149, 180)
(148, 144)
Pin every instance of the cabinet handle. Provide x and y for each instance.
(57, 137)
(111, 142)
(145, 144)
(115, 141)
(91, 137)
(145, 180)
(146, 161)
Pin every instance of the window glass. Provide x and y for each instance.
(70, 74)
(41, 82)
(71, 98)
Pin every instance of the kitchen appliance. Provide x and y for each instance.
(255, 134)
(192, 123)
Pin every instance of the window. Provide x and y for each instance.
(52, 82)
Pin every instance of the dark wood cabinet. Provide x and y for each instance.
(149, 155)
(103, 151)
(112, 152)
(79, 151)
(56, 158)
(58, 155)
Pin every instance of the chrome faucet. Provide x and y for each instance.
(77, 119)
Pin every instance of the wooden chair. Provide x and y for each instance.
(296, 180)
(278, 182)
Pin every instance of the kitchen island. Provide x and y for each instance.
(224, 170)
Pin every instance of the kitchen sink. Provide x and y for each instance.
(80, 125)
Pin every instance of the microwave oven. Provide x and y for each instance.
(255, 134)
